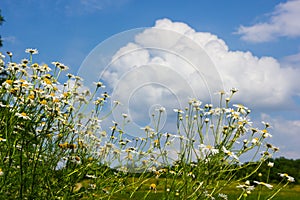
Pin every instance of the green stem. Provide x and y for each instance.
(271, 197)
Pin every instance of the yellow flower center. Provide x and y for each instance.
(23, 114)
(44, 102)
(31, 96)
(47, 81)
(66, 94)
(153, 186)
(265, 131)
(9, 82)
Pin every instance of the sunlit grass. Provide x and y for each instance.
(292, 192)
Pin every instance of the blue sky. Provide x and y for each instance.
(259, 40)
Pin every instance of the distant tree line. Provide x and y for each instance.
(265, 172)
(281, 165)
(1, 21)
(3, 74)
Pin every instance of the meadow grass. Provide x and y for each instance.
(288, 193)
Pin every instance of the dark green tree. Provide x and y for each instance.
(1, 21)
(281, 165)
(3, 73)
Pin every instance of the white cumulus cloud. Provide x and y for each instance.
(283, 22)
(173, 63)
(169, 63)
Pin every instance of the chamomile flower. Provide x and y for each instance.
(270, 164)
(25, 62)
(229, 153)
(7, 84)
(147, 128)
(31, 51)
(191, 175)
(233, 90)
(289, 178)
(63, 67)
(90, 176)
(153, 187)
(45, 68)
(161, 109)
(9, 53)
(60, 66)
(23, 115)
(264, 184)
(117, 102)
(2, 56)
(244, 121)
(241, 108)
(267, 125)
(223, 196)
(196, 103)
(75, 159)
(265, 133)
(99, 84)
(246, 187)
(168, 135)
(105, 95)
(178, 111)
(255, 141)
(208, 149)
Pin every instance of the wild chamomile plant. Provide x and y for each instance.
(209, 144)
(48, 146)
(52, 145)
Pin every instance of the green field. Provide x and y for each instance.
(289, 193)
